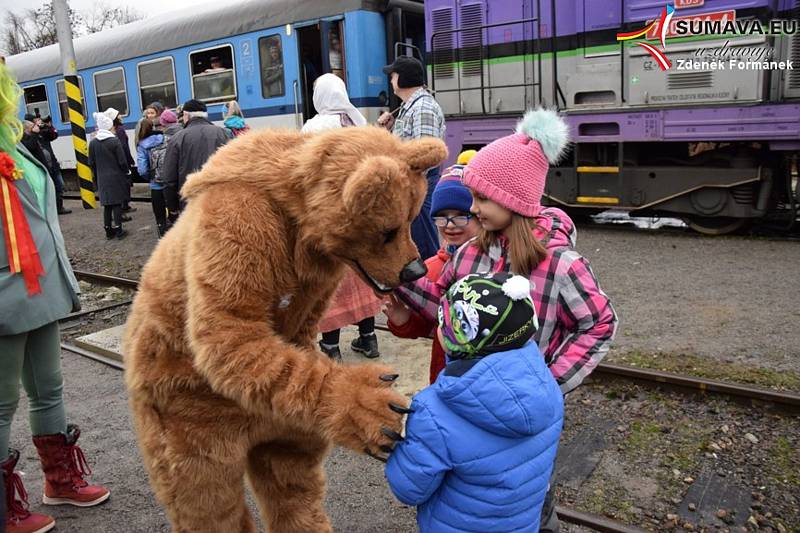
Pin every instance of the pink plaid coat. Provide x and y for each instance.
(576, 320)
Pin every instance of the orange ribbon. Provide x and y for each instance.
(23, 257)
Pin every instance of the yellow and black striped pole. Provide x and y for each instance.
(78, 125)
(74, 103)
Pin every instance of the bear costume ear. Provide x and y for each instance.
(372, 177)
(425, 153)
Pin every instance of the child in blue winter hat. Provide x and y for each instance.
(481, 441)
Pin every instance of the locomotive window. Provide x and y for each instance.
(63, 108)
(36, 101)
(213, 76)
(157, 82)
(111, 91)
(270, 54)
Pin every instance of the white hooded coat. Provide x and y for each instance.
(331, 101)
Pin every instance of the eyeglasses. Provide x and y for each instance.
(458, 221)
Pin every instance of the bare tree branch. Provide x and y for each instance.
(35, 28)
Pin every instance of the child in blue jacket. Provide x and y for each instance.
(481, 441)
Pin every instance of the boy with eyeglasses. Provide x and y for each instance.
(450, 205)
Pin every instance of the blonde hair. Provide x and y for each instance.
(10, 125)
(525, 251)
(232, 109)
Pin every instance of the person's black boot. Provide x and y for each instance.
(331, 351)
(60, 206)
(110, 232)
(366, 345)
(120, 233)
(162, 229)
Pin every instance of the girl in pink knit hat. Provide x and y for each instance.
(519, 235)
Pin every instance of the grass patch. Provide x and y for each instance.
(608, 497)
(705, 367)
(666, 445)
(786, 465)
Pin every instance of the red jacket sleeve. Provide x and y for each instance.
(417, 326)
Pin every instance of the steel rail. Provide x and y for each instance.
(145, 199)
(697, 384)
(595, 522)
(81, 314)
(92, 355)
(106, 279)
(643, 375)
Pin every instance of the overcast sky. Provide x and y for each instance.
(146, 7)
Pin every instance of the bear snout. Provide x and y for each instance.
(413, 271)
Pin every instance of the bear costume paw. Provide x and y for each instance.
(361, 411)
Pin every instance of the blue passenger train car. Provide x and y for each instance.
(265, 53)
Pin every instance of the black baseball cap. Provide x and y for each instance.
(410, 72)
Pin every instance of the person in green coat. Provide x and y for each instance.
(37, 289)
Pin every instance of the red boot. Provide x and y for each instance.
(64, 467)
(18, 519)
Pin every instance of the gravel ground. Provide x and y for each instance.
(730, 299)
(629, 453)
(649, 448)
(358, 499)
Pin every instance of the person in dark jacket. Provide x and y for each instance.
(481, 442)
(30, 140)
(188, 151)
(169, 127)
(119, 131)
(110, 171)
(47, 134)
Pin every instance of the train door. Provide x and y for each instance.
(320, 48)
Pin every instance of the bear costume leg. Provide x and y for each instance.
(288, 480)
(202, 492)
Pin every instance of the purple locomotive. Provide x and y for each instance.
(709, 134)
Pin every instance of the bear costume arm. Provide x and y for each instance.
(232, 269)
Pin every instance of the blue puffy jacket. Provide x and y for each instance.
(480, 445)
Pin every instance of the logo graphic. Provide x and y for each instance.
(661, 26)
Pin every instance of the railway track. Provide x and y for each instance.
(683, 383)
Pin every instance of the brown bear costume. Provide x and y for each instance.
(224, 377)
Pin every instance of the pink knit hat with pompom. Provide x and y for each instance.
(512, 170)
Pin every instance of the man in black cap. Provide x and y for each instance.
(188, 150)
(46, 134)
(419, 116)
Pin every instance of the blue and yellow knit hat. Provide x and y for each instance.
(450, 192)
(486, 313)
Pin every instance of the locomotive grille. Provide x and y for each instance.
(443, 55)
(794, 51)
(689, 80)
(471, 40)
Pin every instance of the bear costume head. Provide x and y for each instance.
(351, 194)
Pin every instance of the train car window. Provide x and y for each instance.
(111, 91)
(213, 76)
(270, 55)
(36, 102)
(157, 82)
(63, 108)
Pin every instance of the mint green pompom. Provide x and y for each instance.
(549, 129)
